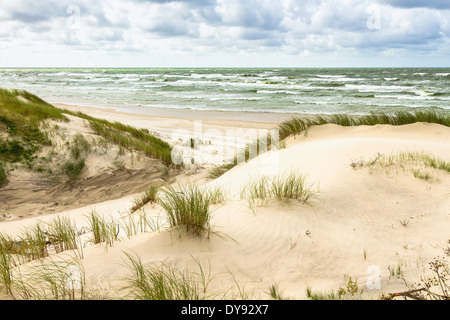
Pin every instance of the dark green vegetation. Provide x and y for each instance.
(3, 178)
(297, 125)
(160, 282)
(21, 114)
(22, 135)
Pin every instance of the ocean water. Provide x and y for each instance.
(303, 91)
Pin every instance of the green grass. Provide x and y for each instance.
(422, 175)
(187, 206)
(21, 115)
(296, 126)
(73, 169)
(34, 242)
(62, 234)
(25, 130)
(148, 196)
(160, 282)
(292, 186)
(128, 137)
(413, 160)
(284, 186)
(48, 279)
(79, 146)
(275, 293)
(102, 230)
(319, 295)
(7, 264)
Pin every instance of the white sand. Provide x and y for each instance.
(351, 228)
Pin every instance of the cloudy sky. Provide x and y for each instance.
(224, 33)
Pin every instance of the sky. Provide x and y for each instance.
(224, 33)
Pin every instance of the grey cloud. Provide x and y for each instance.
(435, 4)
(251, 15)
(34, 11)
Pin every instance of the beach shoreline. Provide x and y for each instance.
(220, 118)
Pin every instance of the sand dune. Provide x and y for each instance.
(350, 228)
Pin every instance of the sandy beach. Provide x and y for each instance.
(377, 224)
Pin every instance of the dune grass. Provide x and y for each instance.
(296, 126)
(190, 206)
(40, 240)
(292, 186)
(73, 169)
(7, 264)
(150, 195)
(24, 131)
(284, 186)
(414, 161)
(79, 146)
(48, 279)
(103, 231)
(62, 233)
(128, 137)
(21, 114)
(162, 282)
(321, 295)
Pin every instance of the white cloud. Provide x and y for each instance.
(158, 32)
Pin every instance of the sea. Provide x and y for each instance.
(353, 91)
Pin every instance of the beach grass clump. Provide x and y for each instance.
(49, 279)
(275, 293)
(284, 186)
(162, 282)
(292, 186)
(73, 169)
(62, 233)
(79, 146)
(324, 295)
(40, 240)
(414, 161)
(216, 195)
(33, 242)
(150, 195)
(187, 206)
(103, 231)
(257, 189)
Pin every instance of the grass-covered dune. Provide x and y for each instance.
(299, 125)
(21, 114)
(24, 131)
